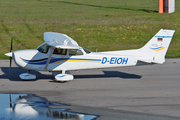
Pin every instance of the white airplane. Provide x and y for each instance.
(60, 53)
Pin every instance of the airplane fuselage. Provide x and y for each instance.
(35, 60)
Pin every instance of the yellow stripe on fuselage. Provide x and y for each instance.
(76, 61)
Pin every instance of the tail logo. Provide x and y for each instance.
(155, 47)
(158, 49)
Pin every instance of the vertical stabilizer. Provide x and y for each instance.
(157, 47)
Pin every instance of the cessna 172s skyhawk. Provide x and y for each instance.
(60, 53)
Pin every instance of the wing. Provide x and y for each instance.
(59, 40)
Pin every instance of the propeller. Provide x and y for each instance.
(11, 49)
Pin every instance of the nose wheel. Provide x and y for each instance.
(27, 76)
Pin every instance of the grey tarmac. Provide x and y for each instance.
(149, 92)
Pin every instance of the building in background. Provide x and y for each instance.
(166, 6)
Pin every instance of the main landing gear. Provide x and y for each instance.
(62, 77)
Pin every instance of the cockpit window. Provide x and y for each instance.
(86, 50)
(79, 52)
(43, 49)
(75, 52)
(60, 51)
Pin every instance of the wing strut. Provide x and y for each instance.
(51, 52)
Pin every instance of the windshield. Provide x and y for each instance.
(86, 50)
(43, 49)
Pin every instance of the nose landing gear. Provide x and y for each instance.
(27, 76)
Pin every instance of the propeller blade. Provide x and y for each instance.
(10, 64)
(11, 49)
(11, 44)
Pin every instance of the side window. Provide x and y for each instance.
(75, 52)
(43, 49)
(79, 52)
(72, 51)
(60, 51)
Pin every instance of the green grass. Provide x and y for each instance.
(95, 24)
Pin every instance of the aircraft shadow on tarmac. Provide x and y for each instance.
(15, 72)
(111, 74)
